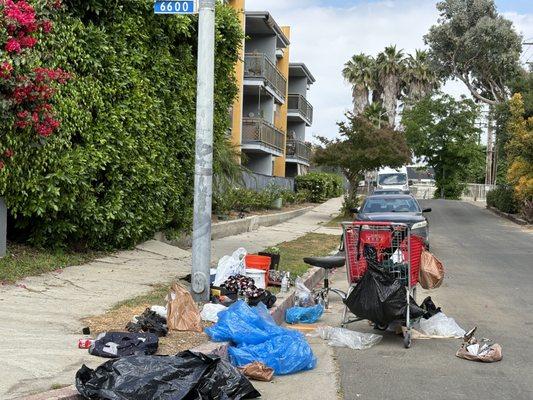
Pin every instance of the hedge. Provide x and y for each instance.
(503, 198)
(120, 166)
(322, 186)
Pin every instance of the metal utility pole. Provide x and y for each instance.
(490, 152)
(203, 171)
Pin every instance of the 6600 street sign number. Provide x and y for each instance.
(175, 7)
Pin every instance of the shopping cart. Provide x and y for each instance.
(396, 250)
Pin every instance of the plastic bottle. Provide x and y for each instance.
(285, 283)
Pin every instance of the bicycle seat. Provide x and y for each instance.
(326, 262)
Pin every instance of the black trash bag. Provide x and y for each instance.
(381, 298)
(149, 321)
(429, 308)
(267, 298)
(122, 344)
(187, 375)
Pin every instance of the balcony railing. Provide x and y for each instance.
(299, 150)
(260, 66)
(258, 131)
(299, 104)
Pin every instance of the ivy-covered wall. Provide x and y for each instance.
(121, 164)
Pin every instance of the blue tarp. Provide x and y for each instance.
(256, 337)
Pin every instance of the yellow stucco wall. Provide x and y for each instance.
(281, 117)
(236, 128)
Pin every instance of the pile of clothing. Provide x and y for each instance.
(242, 286)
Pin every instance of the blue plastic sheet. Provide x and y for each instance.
(257, 338)
(304, 315)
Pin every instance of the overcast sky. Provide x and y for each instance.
(326, 33)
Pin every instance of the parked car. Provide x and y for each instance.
(396, 208)
(387, 191)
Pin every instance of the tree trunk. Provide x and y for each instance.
(360, 99)
(390, 97)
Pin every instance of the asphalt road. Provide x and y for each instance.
(488, 284)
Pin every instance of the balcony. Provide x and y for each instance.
(298, 151)
(259, 135)
(300, 108)
(258, 68)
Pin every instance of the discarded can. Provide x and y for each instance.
(85, 343)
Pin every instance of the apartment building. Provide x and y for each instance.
(271, 112)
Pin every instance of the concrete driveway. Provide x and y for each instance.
(488, 284)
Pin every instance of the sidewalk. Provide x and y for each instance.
(40, 317)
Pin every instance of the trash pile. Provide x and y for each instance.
(255, 337)
(187, 375)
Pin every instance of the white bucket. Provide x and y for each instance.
(259, 277)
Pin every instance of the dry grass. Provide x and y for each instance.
(115, 320)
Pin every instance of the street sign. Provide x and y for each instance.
(176, 7)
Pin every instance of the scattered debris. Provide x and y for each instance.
(441, 325)
(182, 311)
(258, 372)
(148, 321)
(210, 312)
(256, 337)
(186, 375)
(306, 315)
(341, 337)
(431, 271)
(121, 344)
(482, 351)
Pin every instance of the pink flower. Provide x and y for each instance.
(8, 153)
(46, 25)
(1, 165)
(13, 46)
(27, 42)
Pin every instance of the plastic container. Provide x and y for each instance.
(258, 275)
(257, 262)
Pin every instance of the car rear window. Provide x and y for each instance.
(390, 204)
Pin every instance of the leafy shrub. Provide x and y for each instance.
(322, 186)
(350, 202)
(120, 165)
(503, 198)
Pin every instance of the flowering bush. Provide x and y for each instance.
(121, 165)
(26, 88)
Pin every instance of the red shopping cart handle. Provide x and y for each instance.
(372, 223)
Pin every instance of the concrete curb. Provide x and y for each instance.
(237, 226)
(508, 216)
(311, 278)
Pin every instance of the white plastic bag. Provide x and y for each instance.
(303, 296)
(441, 325)
(230, 265)
(160, 310)
(210, 312)
(341, 337)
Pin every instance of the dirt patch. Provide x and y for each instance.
(116, 319)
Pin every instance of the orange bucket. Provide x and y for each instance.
(254, 261)
(257, 262)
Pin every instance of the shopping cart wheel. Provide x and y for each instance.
(407, 340)
(380, 327)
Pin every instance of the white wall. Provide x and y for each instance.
(262, 44)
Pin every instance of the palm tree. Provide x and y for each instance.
(390, 66)
(376, 114)
(419, 78)
(359, 71)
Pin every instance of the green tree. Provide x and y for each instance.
(359, 72)
(520, 155)
(476, 45)
(362, 147)
(442, 131)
